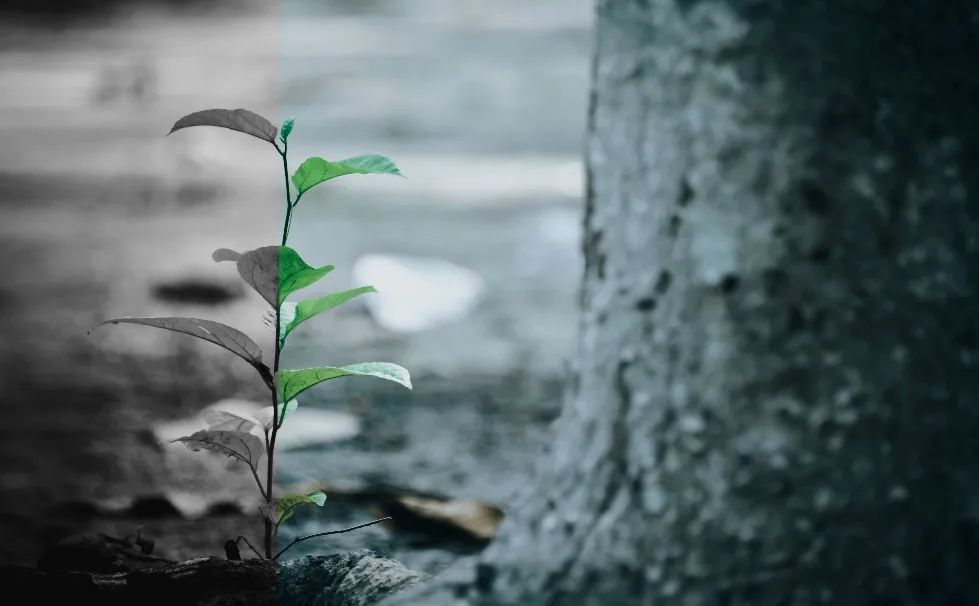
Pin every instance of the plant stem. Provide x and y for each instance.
(323, 534)
(270, 527)
(270, 470)
(289, 204)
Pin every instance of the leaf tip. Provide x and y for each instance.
(225, 254)
(99, 325)
(286, 129)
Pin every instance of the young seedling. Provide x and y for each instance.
(275, 272)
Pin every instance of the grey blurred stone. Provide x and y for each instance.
(349, 579)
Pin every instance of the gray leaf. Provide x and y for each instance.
(239, 445)
(220, 334)
(225, 254)
(241, 120)
(223, 420)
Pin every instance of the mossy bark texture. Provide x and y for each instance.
(774, 396)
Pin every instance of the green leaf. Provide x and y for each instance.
(294, 382)
(316, 170)
(295, 274)
(305, 310)
(286, 129)
(241, 120)
(220, 334)
(285, 505)
(273, 271)
(239, 445)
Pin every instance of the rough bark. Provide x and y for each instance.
(354, 579)
(774, 394)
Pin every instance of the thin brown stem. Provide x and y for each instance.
(329, 532)
(250, 546)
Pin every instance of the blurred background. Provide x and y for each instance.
(481, 104)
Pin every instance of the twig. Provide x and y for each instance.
(250, 546)
(323, 534)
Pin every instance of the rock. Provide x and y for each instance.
(153, 506)
(468, 521)
(146, 546)
(314, 426)
(196, 291)
(351, 579)
(417, 293)
(171, 504)
(223, 508)
(98, 553)
(348, 579)
(203, 582)
(58, 587)
(457, 585)
(231, 550)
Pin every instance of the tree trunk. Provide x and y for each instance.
(774, 394)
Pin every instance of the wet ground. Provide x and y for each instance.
(481, 104)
